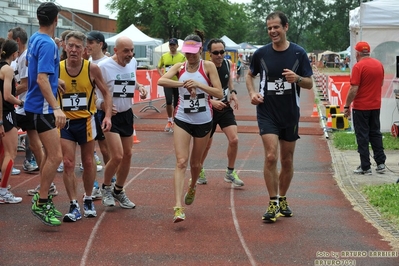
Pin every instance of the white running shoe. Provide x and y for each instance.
(60, 168)
(9, 198)
(99, 167)
(15, 171)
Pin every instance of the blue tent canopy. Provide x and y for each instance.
(247, 46)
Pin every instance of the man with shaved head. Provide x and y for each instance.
(119, 73)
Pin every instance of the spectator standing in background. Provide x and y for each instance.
(367, 78)
(166, 61)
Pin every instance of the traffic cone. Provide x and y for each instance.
(329, 121)
(315, 113)
(135, 139)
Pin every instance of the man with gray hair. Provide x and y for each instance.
(78, 102)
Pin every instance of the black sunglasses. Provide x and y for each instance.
(218, 52)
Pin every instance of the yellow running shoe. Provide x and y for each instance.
(179, 214)
(190, 195)
(272, 212)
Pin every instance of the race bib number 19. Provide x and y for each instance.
(74, 101)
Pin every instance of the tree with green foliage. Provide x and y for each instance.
(313, 24)
(178, 18)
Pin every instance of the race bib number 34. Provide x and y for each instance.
(278, 86)
(124, 88)
(194, 105)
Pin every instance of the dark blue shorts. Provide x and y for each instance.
(288, 133)
(80, 130)
(99, 116)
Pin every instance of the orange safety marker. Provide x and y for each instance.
(315, 112)
(135, 139)
(329, 121)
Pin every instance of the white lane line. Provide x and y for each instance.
(97, 225)
(238, 229)
(234, 215)
(188, 169)
(25, 181)
(241, 171)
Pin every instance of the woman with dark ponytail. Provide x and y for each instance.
(8, 126)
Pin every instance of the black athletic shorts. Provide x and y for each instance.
(288, 133)
(223, 118)
(23, 123)
(196, 131)
(40, 122)
(122, 123)
(9, 120)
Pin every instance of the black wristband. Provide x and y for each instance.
(346, 107)
(233, 91)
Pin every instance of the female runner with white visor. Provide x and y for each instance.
(198, 80)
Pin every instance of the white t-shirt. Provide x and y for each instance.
(121, 82)
(99, 95)
(20, 72)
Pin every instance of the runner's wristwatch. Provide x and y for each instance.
(233, 91)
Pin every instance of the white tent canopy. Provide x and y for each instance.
(377, 23)
(374, 22)
(136, 35)
(230, 44)
(320, 56)
(375, 13)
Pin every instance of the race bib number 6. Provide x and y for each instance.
(124, 88)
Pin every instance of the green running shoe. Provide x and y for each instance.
(190, 195)
(56, 212)
(202, 178)
(45, 214)
(233, 178)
